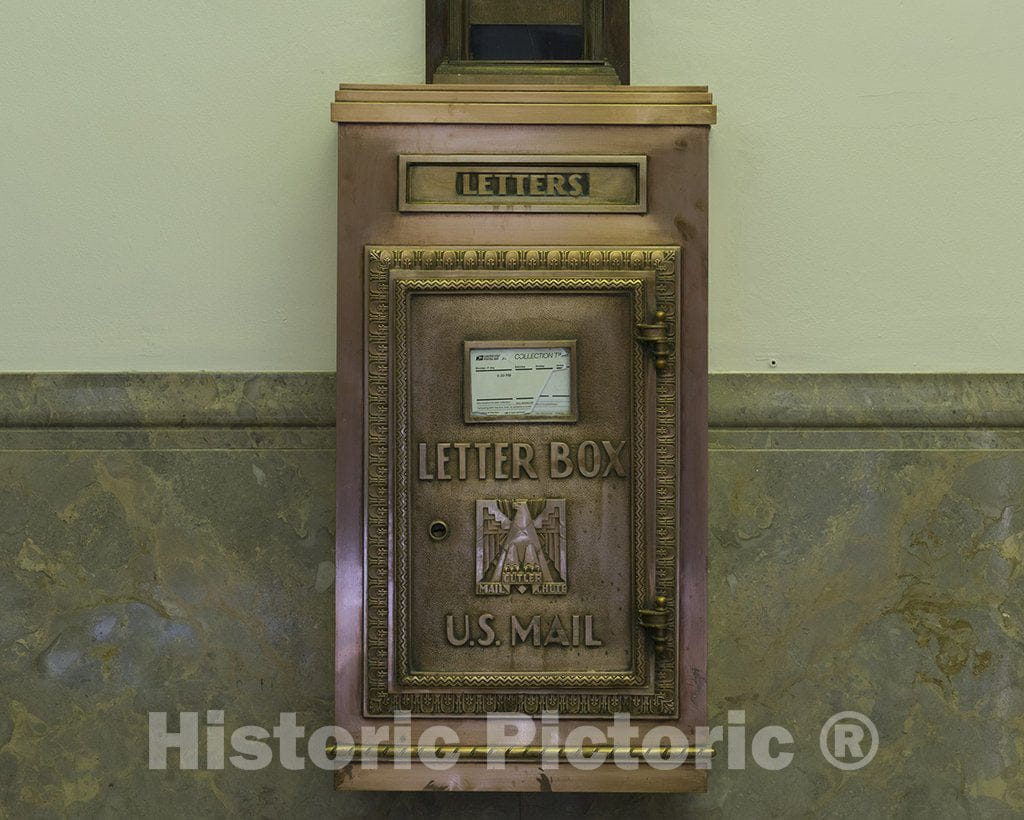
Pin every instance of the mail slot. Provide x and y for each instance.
(522, 452)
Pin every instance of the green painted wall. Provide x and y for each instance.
(167, 178)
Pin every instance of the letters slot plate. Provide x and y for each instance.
(526, 182)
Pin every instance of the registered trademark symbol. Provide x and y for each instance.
(847, 732)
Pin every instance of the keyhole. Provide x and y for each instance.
(438, 530)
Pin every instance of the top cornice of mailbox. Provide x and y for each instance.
(524, 104)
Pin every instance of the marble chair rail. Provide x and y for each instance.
(306, 400)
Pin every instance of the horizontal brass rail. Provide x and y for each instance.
(514, 753)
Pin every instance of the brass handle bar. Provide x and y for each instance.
(513, 753)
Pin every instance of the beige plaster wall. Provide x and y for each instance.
(167, 178)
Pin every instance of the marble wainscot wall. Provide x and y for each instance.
(167, 540)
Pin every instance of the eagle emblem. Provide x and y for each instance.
(520, 545)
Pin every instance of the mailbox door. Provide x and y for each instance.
(521, 482)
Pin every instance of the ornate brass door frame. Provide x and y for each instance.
(646, 277)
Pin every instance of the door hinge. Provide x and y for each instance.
(656, 337)
(657, 622)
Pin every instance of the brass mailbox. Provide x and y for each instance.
(522, 379)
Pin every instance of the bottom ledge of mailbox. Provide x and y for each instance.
(520, 777)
